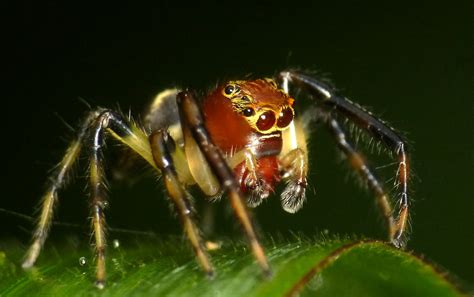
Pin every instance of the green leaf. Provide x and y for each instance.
(151, 268)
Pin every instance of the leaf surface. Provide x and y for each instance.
(305, 267)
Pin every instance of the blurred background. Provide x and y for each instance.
(410, 64)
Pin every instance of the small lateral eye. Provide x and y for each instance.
(248, 112)
(266, 120)
(229, 89)
(285, 117)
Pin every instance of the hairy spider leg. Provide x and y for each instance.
(92, 134)
(131, 135)
(192, 119)
(294, 170)
(56, 182)
(356, 160)
(293, 161)
(161, 145)
(327, 96)
(118, 126)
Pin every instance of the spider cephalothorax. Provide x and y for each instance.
(266, 107)
(242, 140)
(248, 109)
(246, 119)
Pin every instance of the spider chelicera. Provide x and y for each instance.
(243, 139)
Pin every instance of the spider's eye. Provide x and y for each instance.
(285, 117)
(229, 89)
(248, 112)
(266, 120)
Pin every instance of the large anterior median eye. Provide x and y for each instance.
(285, 117)
(266, 120)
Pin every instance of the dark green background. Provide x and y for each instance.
(410, 63)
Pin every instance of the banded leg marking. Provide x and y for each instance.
(191, 117)
(331, 101)
(49, 199)
(160, 142)
(129, 134)
(360, 165)
(91, 133)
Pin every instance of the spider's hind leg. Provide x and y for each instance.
(92, 136)
(49, 200)
(111, 123)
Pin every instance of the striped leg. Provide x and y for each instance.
(161, 144)
(92, 135)
(358, 163)
(328, 99)
(56, 183)
(98, 194)
(192, 119)
(116, 125)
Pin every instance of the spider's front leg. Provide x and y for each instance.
(331, 103)
(192, 120)
(156, 151)
(162, 145)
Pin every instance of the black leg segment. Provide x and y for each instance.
(191, 118)
(161, 144)
(328, 99)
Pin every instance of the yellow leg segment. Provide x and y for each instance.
(164, 161)
(49, 200)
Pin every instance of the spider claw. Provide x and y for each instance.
(210, 274)
(268, 274)
(27, 264)
(399, 241)
(100, 284)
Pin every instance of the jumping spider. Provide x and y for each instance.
(243, 139)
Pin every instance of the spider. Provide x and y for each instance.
(242, 139)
